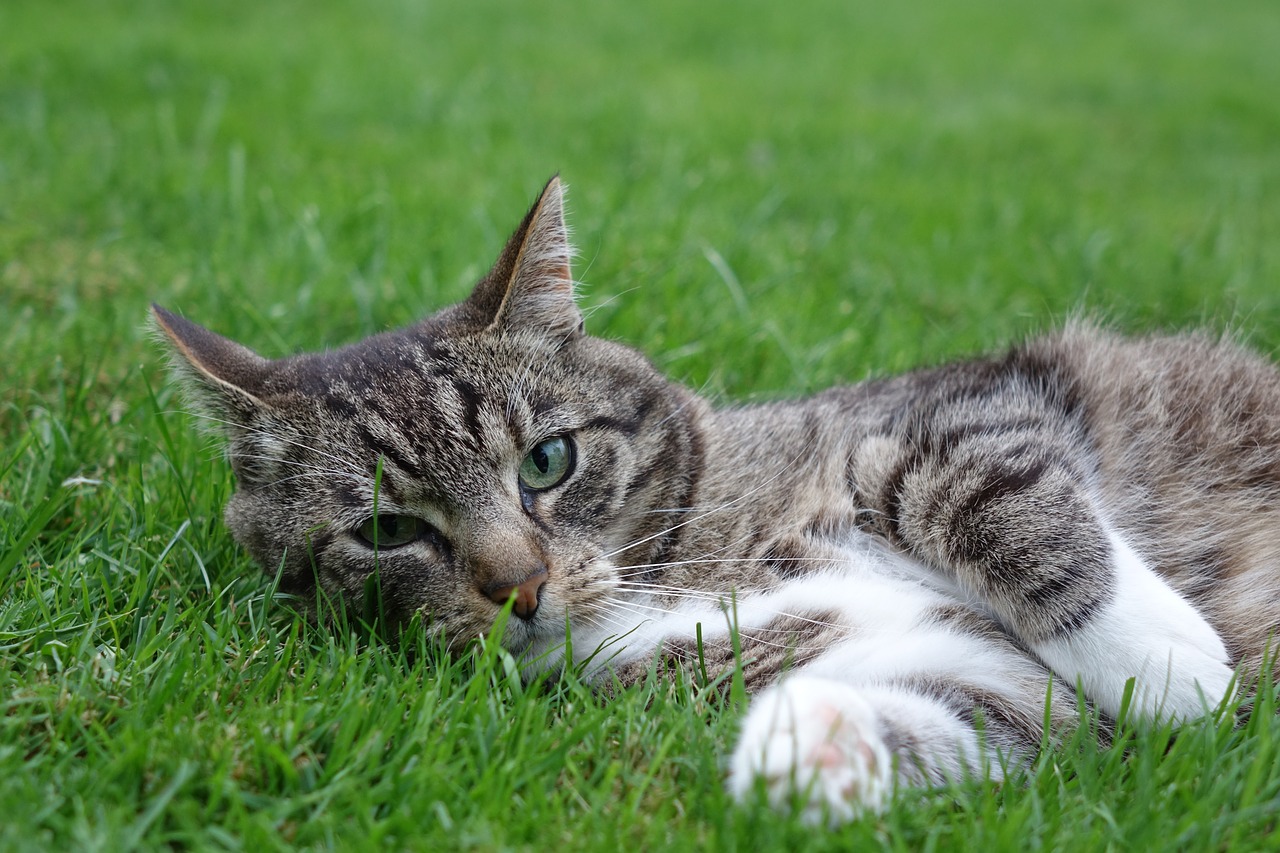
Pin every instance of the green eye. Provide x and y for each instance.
(392, 531)
(547, 465)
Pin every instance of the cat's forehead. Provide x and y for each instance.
(407, 360)
(443, 390)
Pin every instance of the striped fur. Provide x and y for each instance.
(931, 553)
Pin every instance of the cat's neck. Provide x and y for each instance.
(762, 473)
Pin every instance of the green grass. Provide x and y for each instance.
(768, 198)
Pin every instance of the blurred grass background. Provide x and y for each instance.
(767, 198)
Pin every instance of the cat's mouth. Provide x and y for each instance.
(544, 605)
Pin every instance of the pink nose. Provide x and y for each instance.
(526, 594)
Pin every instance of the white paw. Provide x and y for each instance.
(1153, 635)
(815, 739)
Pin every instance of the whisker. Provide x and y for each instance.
(319, 469)
(309, 471)
(692, 594)
(670, 509)
(677, 410)
(673, 651)
(588, 312)
(751, 632)
(721, 508)
(727, 601)
(597, 613)
(712, 560)
(318, 475)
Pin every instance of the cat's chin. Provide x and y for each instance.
(530, 637)
(556, 637)
(539, 649)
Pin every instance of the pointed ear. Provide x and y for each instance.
(531, 286)
(221, 377)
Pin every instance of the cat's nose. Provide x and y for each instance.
(525, 592)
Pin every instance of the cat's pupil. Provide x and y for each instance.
(540, 459)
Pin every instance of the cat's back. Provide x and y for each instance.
(1201, 390)
(1182, 416)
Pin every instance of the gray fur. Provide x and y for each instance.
(1006, 480)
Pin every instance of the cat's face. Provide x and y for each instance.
(491, 451)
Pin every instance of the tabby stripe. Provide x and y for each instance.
(693, 462)
(646, 474)
(1000, 484)
(940, 445)
(1003, 722)
(599, 508)
(390, 451)
(812, 431)
(1047, 380)
(787, 559)
(901, 740)
(1080, 615)
(828, 524)
(471, 399)
(1049, 591)
(961, 618)
(894, 485)
(629, 426)
(341, 406)
(301, 580)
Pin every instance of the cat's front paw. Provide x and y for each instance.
(1174, 680)
(1149, 633)
(815, 742)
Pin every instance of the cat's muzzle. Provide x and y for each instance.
(525, 594)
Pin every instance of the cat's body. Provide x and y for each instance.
(924, 550)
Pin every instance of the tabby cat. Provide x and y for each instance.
(910, 563)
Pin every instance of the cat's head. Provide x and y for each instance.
(489, 451)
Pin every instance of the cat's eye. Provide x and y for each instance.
(392, 531)
(547, 465)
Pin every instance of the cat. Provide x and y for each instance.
(911, 564)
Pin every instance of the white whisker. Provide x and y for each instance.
(721, 508)
(626, 573)
(749, 632)
(316, 469)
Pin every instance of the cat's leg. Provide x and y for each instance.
(839, 751)
(994, 492)
(1149, 632)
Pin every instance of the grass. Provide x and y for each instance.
(769, 198)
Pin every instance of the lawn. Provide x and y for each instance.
(768, 198)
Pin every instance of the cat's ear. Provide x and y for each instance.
(222, 377)
(531, 286)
